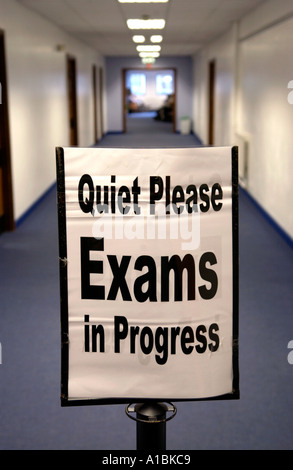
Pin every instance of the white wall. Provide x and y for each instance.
(224, 51)
(254, 67)
(37, 94)
(114, 67)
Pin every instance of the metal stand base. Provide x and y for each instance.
(151, 424)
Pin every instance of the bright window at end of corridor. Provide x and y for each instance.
(138, 83)
(164, 84)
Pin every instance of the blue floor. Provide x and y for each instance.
(30, 412)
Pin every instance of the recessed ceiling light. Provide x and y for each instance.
(143, 1)
(138, 38)
(149, 54)
(146, 24)
(156, 38)
(148, 48)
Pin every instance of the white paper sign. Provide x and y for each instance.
(148, 266)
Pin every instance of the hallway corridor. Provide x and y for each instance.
(69, 71)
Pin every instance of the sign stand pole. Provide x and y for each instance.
(151, 423)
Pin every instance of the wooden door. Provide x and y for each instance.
(101, 97)
(211, 115)
(6, 203)
(72, 100)
(1, 166)
(95, 97)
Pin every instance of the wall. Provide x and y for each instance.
(266, 118)
(37, 93)
(254, 67)
(114, 67)
(223, 51)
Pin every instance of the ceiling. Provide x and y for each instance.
(190, 24)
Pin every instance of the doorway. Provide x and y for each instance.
(97, 82)
(163, 85)
(101, 97)
(211, 104)
(95, 97)
(72, 100)
(6, 201)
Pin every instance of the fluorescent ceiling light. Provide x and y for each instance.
(143, 1)
(149, 54)
(146, 24)
(156, 38)
(148, 48)
(138, 38)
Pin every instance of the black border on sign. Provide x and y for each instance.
(65, 401)
(235, 252)
(61, 205)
